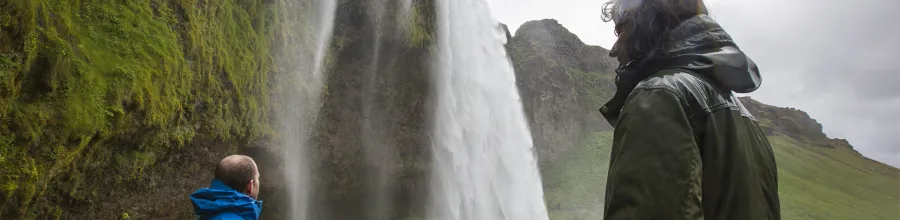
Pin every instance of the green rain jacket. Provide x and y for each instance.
(684, 146)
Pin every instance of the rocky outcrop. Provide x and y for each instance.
(559, 44)
(562, 82)
(506, 31)
(791, 122)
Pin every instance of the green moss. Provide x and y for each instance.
(28, 192)
(418, 33)
(96, 84)
(57, 213)
(9, 187)
(589, 84)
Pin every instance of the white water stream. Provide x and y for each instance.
(326, 26)
(303, 104)
(484, 164)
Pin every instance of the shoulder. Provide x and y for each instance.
(682, 83)
(695, 92)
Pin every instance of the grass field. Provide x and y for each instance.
(574, 186)
(834, 183)
(814, 182)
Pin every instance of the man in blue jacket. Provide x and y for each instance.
(233, 192)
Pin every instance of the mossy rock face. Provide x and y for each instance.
(100, 100)
(102, 103)
(562, 82)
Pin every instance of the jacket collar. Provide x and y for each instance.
(698, 44)
(219, 198)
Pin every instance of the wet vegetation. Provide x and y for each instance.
(95, 92)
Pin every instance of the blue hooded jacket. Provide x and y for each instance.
(220, 202)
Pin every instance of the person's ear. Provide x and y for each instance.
(248, 189)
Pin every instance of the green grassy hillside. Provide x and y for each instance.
(814, 182)
(574, 185)
(833, 183)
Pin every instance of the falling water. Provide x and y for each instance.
(484, 164)
(407, 5)
(374, 147)
(326, 25)
(302, 95)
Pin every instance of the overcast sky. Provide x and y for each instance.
(834, 59)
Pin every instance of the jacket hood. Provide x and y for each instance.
(701, 45)
(219, 198)
(698, 44)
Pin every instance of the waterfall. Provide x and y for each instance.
(407, 5)
(375, 148)
(303, 63)
(484, 166)
(326, 25)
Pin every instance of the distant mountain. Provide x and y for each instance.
(564, 81)
(793, 123)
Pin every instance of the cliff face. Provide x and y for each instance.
(104, 105)
(558, 44)
(562, 82)
(791, 122)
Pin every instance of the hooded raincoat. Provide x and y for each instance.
(220, 202)
(684, 146)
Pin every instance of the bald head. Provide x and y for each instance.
(237, 171)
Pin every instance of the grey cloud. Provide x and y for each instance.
(836, 60)
(874, 84)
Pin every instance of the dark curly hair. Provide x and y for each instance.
(643, 26)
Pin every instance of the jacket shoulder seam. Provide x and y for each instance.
(648, 84)
(682, 101)
(720, 106)
(664, 88)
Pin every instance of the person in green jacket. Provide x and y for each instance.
(684, 146)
